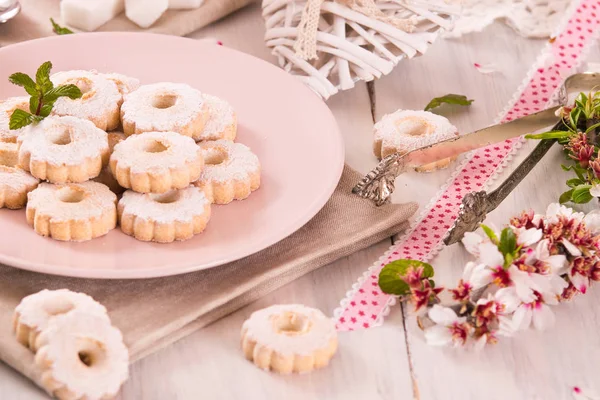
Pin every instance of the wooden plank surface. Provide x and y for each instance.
(377, 364)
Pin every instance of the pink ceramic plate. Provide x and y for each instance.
(291, 130)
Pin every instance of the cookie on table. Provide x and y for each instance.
(36, 311)
(82, 356)
(289, 338)
(406, 130)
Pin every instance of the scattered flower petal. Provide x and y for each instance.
(471, 241)
(486, 68)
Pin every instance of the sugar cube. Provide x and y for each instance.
(145, 12)
(184, 4)
(89, 15)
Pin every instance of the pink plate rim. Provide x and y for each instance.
(320, 199)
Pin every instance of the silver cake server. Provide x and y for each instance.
(378, 184)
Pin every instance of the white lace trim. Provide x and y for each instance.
(540, 62)
(529, 18)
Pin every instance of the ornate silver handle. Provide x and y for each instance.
(476, 205)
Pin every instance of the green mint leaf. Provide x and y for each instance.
(25, 81)
(566, 196)
(550, 135)
(46, 109)
(70, 91)
(19, 119)
(34, 102)
(449, 99)
(581, 194)
(60, 30)
(574, 182)
(490, 233)
(391, 276)
(508, 242)
(42, 77)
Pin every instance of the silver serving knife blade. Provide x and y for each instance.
(378, 184)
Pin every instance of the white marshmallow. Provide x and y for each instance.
(89, 15)
(184, 4)
(145, 12)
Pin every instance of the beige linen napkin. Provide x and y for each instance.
(153, 313)
(33, 21)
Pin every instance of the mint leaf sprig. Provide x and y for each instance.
(457, 99)
(60, 30)
(43, 96)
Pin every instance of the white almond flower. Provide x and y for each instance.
(555, 210)
(595, 190)
(528, 237)
(495, 272)
(471, 241)
(592, 221)
(536, 312)
(449, 329)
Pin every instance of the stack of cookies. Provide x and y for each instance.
(166, 149)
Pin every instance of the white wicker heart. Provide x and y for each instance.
(350, 45)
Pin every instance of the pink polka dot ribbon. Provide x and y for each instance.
(365, 304)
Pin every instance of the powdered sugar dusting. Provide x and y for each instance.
(78, 331)
(139, 106)
(185, 204)
(114, 138)
(238, 161)
(262, 327)
(178, 151)
(220, 117)
(125, 84)
(35, 310)
(15, 179)
(100, 95)
(85, 141)
(6, 109)
(406, 130)
(96, 200)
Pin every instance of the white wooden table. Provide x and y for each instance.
(392, 361)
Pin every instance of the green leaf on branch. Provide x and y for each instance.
(550, 135)
(572, 183)
(566, 196)
(391, 277)
(490, 233)
(591, 128)
(508, 243)
(574, 117)
(578, 169)
(60, 30)
(449, 99)
(581, 194)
